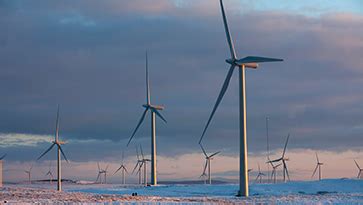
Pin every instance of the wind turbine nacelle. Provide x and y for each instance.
(251, 65)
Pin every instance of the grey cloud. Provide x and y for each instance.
(96, 73)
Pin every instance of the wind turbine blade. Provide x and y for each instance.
(98, 165)
(125, 169)
(317, 158)
(287, 140)
(158, 114)
(147, 82)
(2, 157)
(63, 153)
(215, 154)
(138, 125)
(316, 168)
(257, 178)
(46, 151)
(219, 99)
(205, 166)
(137, 164)
(122, 159)
(359, 173)
(106, 168)
(205, 154)
(57, 126)
(228, 35)
(98, 177)
(137, 153)
(259, 169)
(276, 160)
(287, 171)
(142, 153)
(356, 163)
(256, 59)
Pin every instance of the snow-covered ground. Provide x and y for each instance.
(330, 191)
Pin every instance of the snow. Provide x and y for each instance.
(329, 191)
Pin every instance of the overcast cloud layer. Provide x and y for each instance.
(88, 56)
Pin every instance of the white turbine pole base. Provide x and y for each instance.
(243, 172)
(153, 150)
(209, 177)
(123, 176)
(59, 182)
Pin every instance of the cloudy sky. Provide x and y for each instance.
(88, 56)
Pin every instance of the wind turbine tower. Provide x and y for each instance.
(241, 64)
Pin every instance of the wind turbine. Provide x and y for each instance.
(100, 172)
(360, 169)
(273, 173)
(154, 109)
(283, 159)
(241, 64)
(318, 165)
(208, 159)
(50, 174)
(123, 169)
(144, 163)
(138, 165)
(2, 157)
(59, 151)
(28, 172)
(259, 175)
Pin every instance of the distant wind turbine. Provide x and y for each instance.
(273, 173)
(49, 173)
(101, 172)
(241, 64)
(138, 165)
(154, 109)
(29, 173)
(283, 159)
(208, 159)
(259, 175)
(360, 170)
(144, 163)
(318, 165)
(59, 151)
(123, 169)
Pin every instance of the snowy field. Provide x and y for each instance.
(330, 191)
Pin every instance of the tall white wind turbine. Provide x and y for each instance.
(154, 109)
(123, 169)
(59, 152)
(318, 165)
(241, 64)
(208, 159)
(360, 169)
